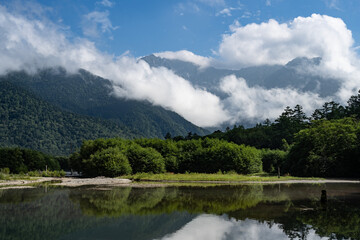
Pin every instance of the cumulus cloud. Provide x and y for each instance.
(272, 42)
(227, 11)
(31, 45)
(277, 43)
(257, 103)
(95, 22)
(186, 56)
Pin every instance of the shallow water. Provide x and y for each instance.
(275, 211)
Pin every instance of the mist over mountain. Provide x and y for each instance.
(294, 75)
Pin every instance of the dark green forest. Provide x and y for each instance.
(30, 122)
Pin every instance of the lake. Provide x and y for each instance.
(273, 211)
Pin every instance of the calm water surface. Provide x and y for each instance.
(208, 212)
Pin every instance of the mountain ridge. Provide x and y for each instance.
(88, 94)
(266, 76)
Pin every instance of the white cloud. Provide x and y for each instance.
(30, 45)
(95, 20)
(187, 7)
(334, 4)
(106, 3)
(227, 11)
(257, 103)
(277, 43)
(268, 3)
(186, 56)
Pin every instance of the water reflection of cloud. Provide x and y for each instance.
(212, 227)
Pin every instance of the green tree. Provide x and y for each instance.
(110, 162)
(326, 149)
(145, 159)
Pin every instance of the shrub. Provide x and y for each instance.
(110, 162)
(5, 170)
(272, 159)
(145, 159)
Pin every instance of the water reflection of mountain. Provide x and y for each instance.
(171, 212)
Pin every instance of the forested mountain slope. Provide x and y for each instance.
(87, 94)
(28, 121)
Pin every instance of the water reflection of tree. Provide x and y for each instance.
(337, 219)
(214, 200)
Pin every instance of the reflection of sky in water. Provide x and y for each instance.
(212, 227)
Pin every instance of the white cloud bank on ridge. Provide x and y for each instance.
(28, 44)
(258, 103)
(186, 56)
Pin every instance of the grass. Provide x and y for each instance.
(33, 175)
(9, 177)
(232, 177)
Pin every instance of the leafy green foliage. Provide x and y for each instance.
(157, 156)
(327, 149)
(110, 162)
(54, 173)
(272, 160)
(145, 159)
(19, 160)
(268, 135)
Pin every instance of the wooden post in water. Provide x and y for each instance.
(323, 196)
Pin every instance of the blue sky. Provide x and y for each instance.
(143, 26)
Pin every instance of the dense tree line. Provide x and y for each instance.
(114, 157)
(272, 134)
(19, 160)
(327, 144)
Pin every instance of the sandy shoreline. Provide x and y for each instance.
(113, 182)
